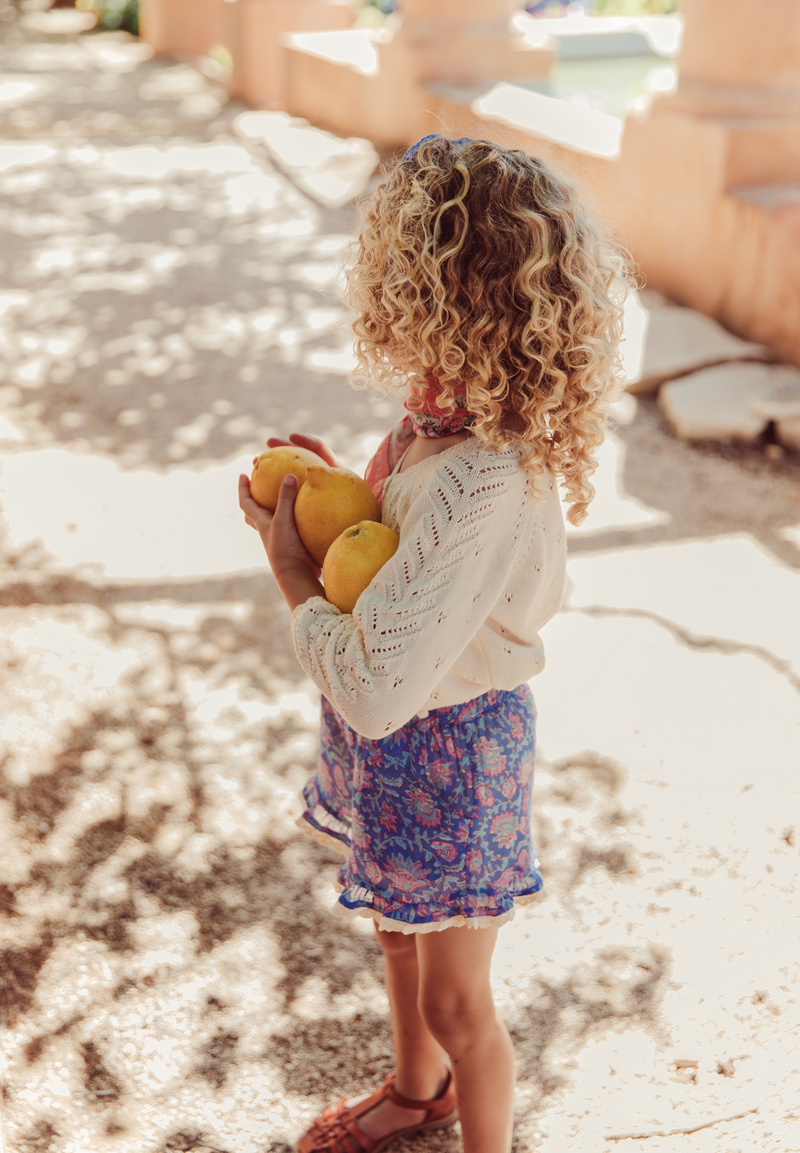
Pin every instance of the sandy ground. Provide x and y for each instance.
(173, 976)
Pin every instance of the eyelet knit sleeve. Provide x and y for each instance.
(459, 541)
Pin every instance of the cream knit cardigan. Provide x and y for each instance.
(479, 569)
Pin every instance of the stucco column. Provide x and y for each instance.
(253, 34)
(251, 31)
(463, 41)
(740, 58)
(183, 29)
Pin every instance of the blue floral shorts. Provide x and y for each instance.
(435, 818)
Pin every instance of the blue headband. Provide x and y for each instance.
(414, 149)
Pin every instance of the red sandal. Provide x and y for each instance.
(337, 1131)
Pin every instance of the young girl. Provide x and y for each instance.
(484, 291)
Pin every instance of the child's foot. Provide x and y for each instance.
(375, 1118)
(387, 1117)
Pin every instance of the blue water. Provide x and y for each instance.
(608, 86)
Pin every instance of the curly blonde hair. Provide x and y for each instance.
(478, 264)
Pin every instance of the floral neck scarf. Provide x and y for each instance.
(430, 421)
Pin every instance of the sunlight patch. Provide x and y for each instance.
(88, 513)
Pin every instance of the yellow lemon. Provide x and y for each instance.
(354, 560)
(331, 500)
(272, 466)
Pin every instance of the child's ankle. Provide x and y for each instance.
(422, 1085)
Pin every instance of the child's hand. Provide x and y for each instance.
(312, 443)
(294, 570)
(277, 530)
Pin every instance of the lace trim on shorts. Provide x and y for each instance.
(391, 925)
(323, 820)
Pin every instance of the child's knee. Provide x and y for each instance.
(455, 1015)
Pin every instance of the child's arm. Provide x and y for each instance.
(293, 569)
(459, 542)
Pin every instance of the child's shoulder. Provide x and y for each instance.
(470, 483)
(473, 475)
(476, 463)
(466, 474)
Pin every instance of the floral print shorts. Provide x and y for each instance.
(435, 818)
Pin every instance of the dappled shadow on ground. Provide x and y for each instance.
(153, 318)
(164, 288)
(99, 881)
(579, 821)
(72, 84)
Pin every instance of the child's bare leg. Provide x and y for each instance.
(421, 1074)
(456, 1004)
(440, 999)
(421, 1071)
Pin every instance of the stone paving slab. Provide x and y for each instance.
(327, 168)
(665, 343)
(780, 402)
(173, 976)
(788, 433)
(720, 403)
